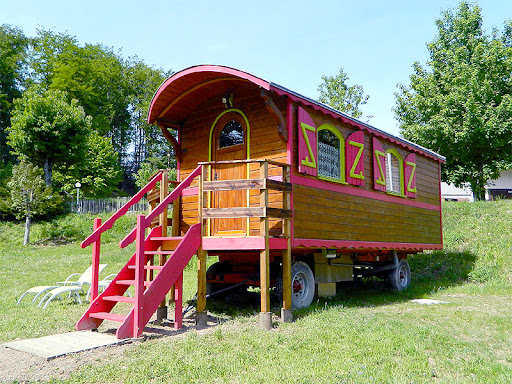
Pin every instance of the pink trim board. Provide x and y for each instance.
(370, 245)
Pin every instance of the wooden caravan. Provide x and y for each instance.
(287, 192)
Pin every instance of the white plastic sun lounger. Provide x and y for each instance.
(83, 279)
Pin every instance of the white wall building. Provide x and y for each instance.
(451, 193)
(499, 188)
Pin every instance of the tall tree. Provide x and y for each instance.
(115, 92)
(29, 195)
(92, 74)
(48, 130)
(98, 171)
(335, 92)
(460, 103)
(13, 54)
(147, 139)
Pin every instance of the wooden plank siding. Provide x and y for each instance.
(331, 215)
(264, 144)
(318, 213)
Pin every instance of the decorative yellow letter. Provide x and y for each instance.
(356, 161)
(382, 179)
(308, 161)
(411, 178)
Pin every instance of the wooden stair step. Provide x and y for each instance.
(152, 267)
(176, 238)
(108, 316)
(158, 252)
(124, 299)
(132, 282)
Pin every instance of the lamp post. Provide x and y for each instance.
(78, 185)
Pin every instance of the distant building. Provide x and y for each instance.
(450, 192)
(500, 188)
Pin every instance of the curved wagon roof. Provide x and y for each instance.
(181, 93)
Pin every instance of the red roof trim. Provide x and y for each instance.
(318, 107)
(222, 71)
(362, 245)
(204, 69)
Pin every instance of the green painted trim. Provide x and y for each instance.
(331, 128)
(248, 156)
(307, 162)
(248, 131)
(395, 153)
(413, 165)
(356, 161)
(382, 178)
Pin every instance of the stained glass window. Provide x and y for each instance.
(232, 134)
(328, 154)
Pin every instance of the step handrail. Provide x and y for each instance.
(176, 192)
(122, 211)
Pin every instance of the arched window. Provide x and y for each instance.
(331, 153)
(394, 172)
(232, 134)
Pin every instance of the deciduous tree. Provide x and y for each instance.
(98, 171)
(13, 54)
(460, 103)
(335, 92)
(48, 130)
(29, 194)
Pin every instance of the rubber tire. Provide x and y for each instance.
(303, 276)
(400, 277)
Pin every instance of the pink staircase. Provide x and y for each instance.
(148, 294)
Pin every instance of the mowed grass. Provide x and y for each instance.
(366, 334)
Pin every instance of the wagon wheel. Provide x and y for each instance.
(303, 285)
(400, 277)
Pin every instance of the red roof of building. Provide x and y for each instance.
(181, 93)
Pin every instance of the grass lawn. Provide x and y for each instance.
(365, 334)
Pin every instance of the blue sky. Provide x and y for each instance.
(291, 43)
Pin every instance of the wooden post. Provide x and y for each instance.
(149, 273)
(178, 302)
(139, 277)
(176, 217)
(201, 260)
(95, 262)
(161, 312)
(164, 191)
(286, 313)
(265, 315)
(175, 230)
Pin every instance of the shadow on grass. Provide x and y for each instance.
(431, 272)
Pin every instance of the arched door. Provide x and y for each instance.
(229, 142)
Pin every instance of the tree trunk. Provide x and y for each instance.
(26, 237)
(478, 188)
(48, 172)
(478, 184)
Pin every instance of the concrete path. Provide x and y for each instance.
(50, 347)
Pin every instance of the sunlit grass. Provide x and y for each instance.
(366, 334)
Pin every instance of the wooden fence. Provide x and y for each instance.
(106, 205)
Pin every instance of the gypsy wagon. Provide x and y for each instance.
(289, 194)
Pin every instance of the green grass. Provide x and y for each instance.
(366, 334)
